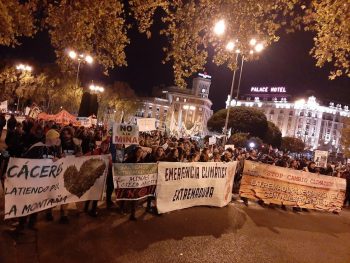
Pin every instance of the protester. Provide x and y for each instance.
(11, 123)
(156, 147)
(39, 150)
(2, 123)
(137, 156)
(15, 141)
(103, 149)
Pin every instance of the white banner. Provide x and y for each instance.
(146, 124)
(183, 185)
(33, 185)
(321, 158)
(125, 133)
(212, 140)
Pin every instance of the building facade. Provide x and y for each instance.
(184, 112)
(157, 108)
(318, 126)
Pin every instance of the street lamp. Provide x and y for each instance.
(252, 42)
(81, 58)
(230, 47)
(258, 48)
(220, 27)
(96, 89)
(22, 68)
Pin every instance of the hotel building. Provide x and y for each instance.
(318, 126)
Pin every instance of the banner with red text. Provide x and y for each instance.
(133, 181)
(278, 185)
(183, 185)
(33, 185)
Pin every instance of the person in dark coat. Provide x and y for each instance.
(2, 123)
(39, 150)
(15, 141)
(11, 123)
(136, 156)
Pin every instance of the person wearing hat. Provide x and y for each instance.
(102, 149)
(48, 150)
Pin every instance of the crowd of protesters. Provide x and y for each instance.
(37, 139)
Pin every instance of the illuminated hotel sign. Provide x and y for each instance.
(268, 90)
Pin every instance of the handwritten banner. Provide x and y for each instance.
(133, 181)
(183, 185)
(279, 185)
(33, 185)
(125, 133)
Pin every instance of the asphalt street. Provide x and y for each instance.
(202, 234)
(235, 233)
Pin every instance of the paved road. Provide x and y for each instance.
(232, 234)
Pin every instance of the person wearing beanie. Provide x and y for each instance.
(48, 150)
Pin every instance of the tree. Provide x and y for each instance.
(48, 88)
(17, 86)
(16, 20)
(242, 119)
(100, 28)
(120, 99)
(330, 20)
(95, 27)
(273, 135)
(292, 144)
(239, 139)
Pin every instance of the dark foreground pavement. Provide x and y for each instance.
(232, 234)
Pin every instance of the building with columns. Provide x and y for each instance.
(185, 112)
(318, 126)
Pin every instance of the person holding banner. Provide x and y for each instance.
(103, 149)
(69, 146)
(136, 156)
(49, 150)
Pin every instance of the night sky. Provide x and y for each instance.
(285, 63)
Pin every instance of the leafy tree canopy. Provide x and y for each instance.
(242, 119)
(292, 144)
(273, 135)
(100, 28)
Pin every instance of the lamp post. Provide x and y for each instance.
(231, 93)
(22, 68)
(219, 30)
(257, 48)
(81, 58)
(96, 89)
